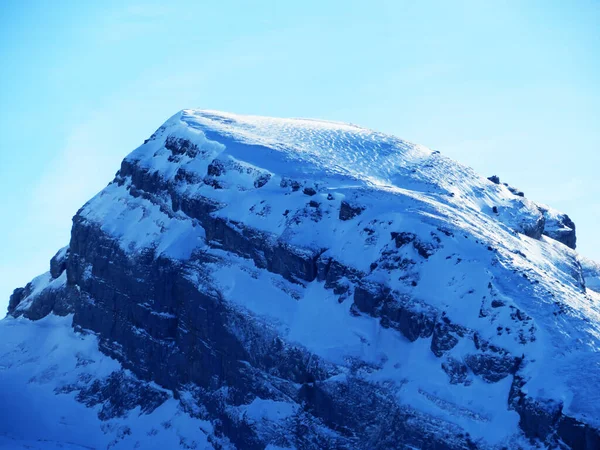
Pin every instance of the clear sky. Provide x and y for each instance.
(508, 87)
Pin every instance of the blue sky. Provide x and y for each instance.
(508, 87)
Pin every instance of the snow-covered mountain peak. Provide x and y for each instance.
(280, 275)
(307, 145)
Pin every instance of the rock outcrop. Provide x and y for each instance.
(559, 226)
(551, 223)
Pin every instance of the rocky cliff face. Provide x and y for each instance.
(306, 284)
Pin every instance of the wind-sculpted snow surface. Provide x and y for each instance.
(293, 283)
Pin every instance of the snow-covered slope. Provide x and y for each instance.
(301, 283)
(54, 394)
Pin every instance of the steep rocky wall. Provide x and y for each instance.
(152, 318)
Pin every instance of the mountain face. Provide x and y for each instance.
(250, 282)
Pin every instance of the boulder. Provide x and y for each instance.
(559, 226)
(347, 211)
(58, 263)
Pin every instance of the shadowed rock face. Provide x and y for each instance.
(119, 394)
(58, 298)
(545, 421)
(412, 318)
(169, 320)
(560, 228)
(348, 211)
(445, 336)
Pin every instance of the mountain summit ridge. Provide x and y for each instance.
(274, 276)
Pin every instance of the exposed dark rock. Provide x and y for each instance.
(403, 238)
(187, 176)
(216, 168)
(58, 301)
(494, 179)
(35, 305)
(492, 367)
(534, 230)
(262, 180)
(348, 211)
(412, 318)
(323, 264)
(15, 299)
(543, 420)
(142, 178)
(567, 237)
(309, 191)
(369, 297)
(58, 263)
(180, 146)
(567, 222)
(264, 249)
(538, 421)
(168, 316)
(196, 207)
(456, 370)
(519, 315)
(277, 257)
(337, 276)
(559, 227)
(113, 306)
(118, 394)
(383, 424)
(577, 435)
(445, 337)
(515, 191)
(288, 182)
